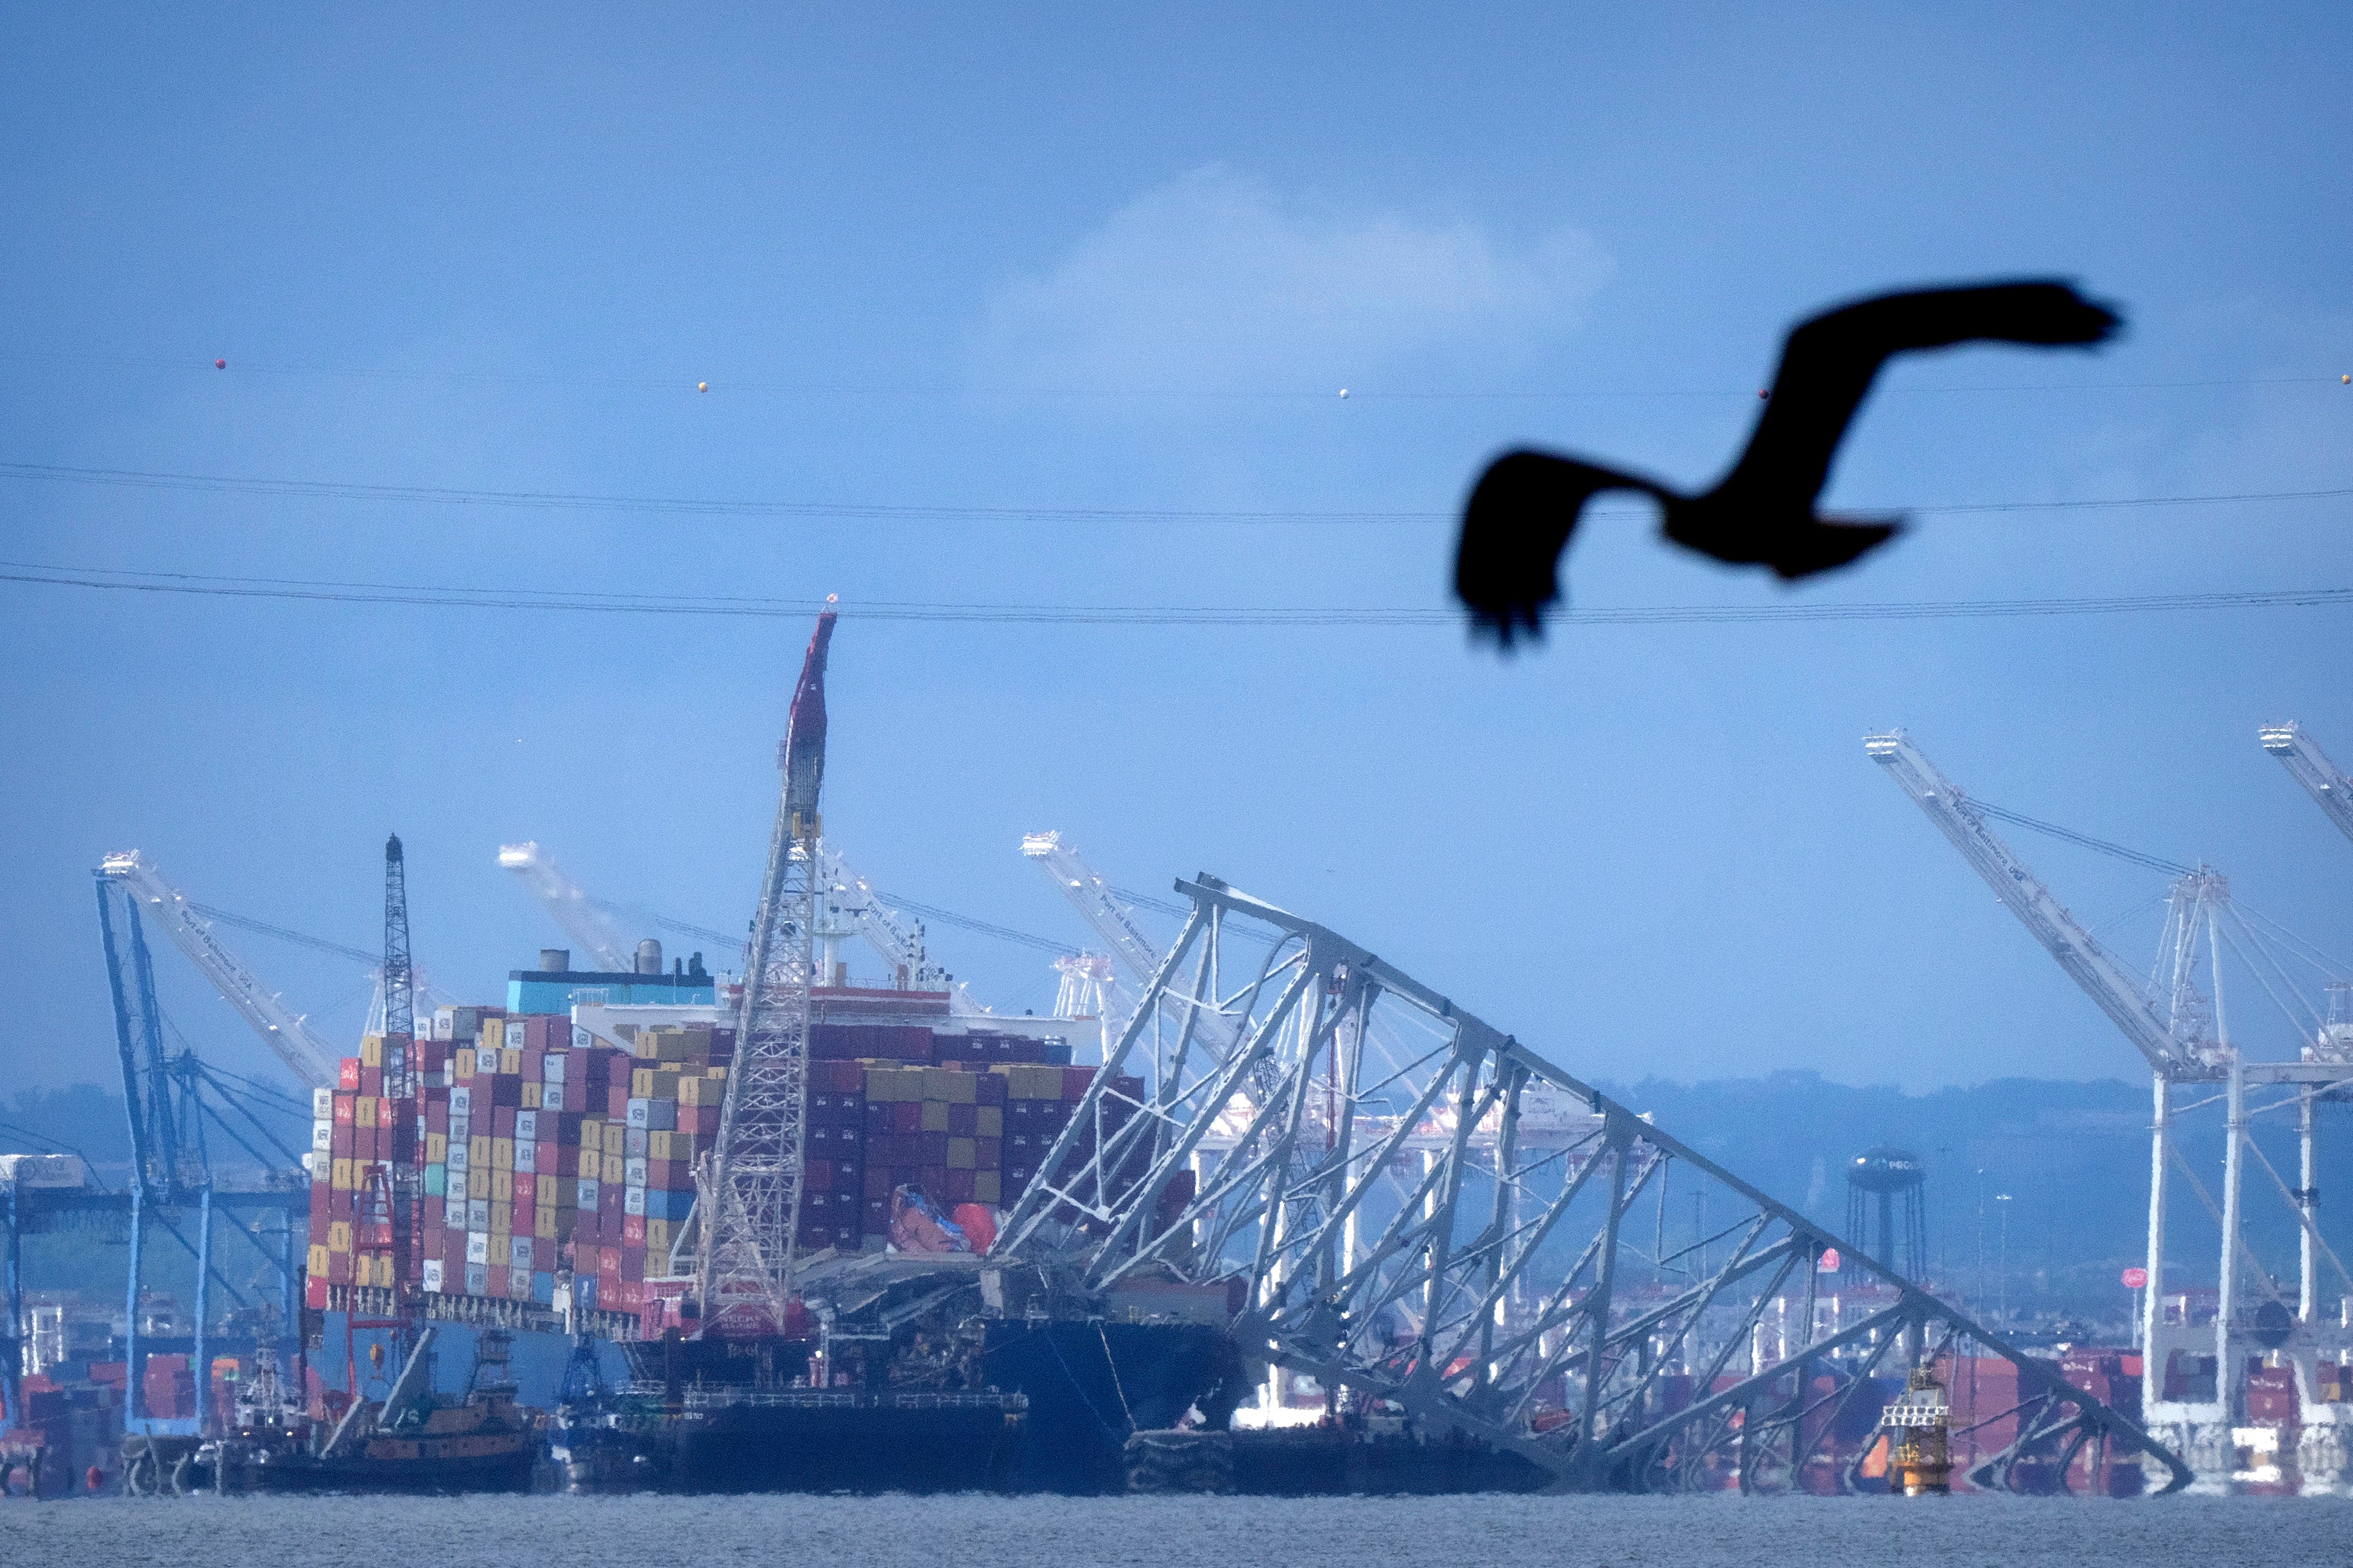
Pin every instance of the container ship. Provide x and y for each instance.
(551, 1148)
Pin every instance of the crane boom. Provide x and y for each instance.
(287, 1033)
(2122, 994)
(750, 1198)
(571, 907)
(1135, 953)
(886, 931)
(2330, 789)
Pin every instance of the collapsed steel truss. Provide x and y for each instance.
(1425, 1210)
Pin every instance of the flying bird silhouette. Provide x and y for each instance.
(1519, 518)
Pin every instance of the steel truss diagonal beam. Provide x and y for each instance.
(1425, 1211)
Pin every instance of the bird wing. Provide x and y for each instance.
(1514, 529)
(1829, 363)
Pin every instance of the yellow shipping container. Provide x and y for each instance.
(987, 1187)
(371, 1050)
(612, 1169)
(477, 1183)
(339, 1235)
(501, 1186)
(660, 1233)
(990, 1122)
(502, 1219)
(495, 1034)
(592, 1134)
(962, 1154)
(364, 1111)
(935, 1116)
(669, 1145)
(502, 1153)
(666, 1082)
(895, 1084)
(953, 1086)
(318, 1264)
(478, 1151)
(616, 1140)
(502, 1249)
(690, 1091)
(532, 1094)
(436, 1148)
(339, 1175)
(462, 1061)
(510, 1059)
(641, 1083)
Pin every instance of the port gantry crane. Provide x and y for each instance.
(2184, 1038)
(581, 917)
(750, 1192)
(2322, 779)
(1511, 1294)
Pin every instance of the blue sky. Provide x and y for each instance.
(1046, 258)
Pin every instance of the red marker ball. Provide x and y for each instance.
(1764, 392)
(220, 364)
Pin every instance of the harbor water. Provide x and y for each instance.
(1159, 1533)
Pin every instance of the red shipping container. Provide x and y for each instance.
(315, 1293)
(1075, 1081)
(619, 1064)
(372, 1081)
(535, 1064)
(633, 1230)
(347, 1075)
(587, 1258)
(906, 1117)
(633, 1262)
(587, 1227)
(610, 1198)
(339, 1268)
(959, 1187)
(503, 1121)
(617, 1102)
(526, 1190)
(436, 1215)
(989, 1089)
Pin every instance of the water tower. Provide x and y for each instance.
(1886, 1182)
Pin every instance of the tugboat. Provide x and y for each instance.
(414, 1440)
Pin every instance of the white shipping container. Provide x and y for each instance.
(323, 1104)
(526, 1127)
(458, 1156)
(587, 1194)
(552, 1071)
(478, 1214)
(462, 1101)
(478, 1280)
(519, 1253)
(638, 1111)
(322, 1137)
(433, 1276)
(526, 1158)
(551, 1097)
(633, 1175)
(633, 1201)
(477, 1246)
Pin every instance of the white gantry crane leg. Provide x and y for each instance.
(571, 907)
(2321, 778)
(287, 1033)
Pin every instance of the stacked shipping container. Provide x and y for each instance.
(537, 1158)
(541, 1154)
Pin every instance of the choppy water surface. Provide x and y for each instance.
(1221, 1533)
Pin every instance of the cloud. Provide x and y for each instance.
(1213, 282)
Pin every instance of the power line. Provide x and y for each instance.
(982, 927)
(104, 579)
(442, 495)
(684, 384)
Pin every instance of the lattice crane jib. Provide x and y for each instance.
(2327, 782)
(1418, 1207)
(2166, 1029)
(749, 1194)
(287, 1034)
